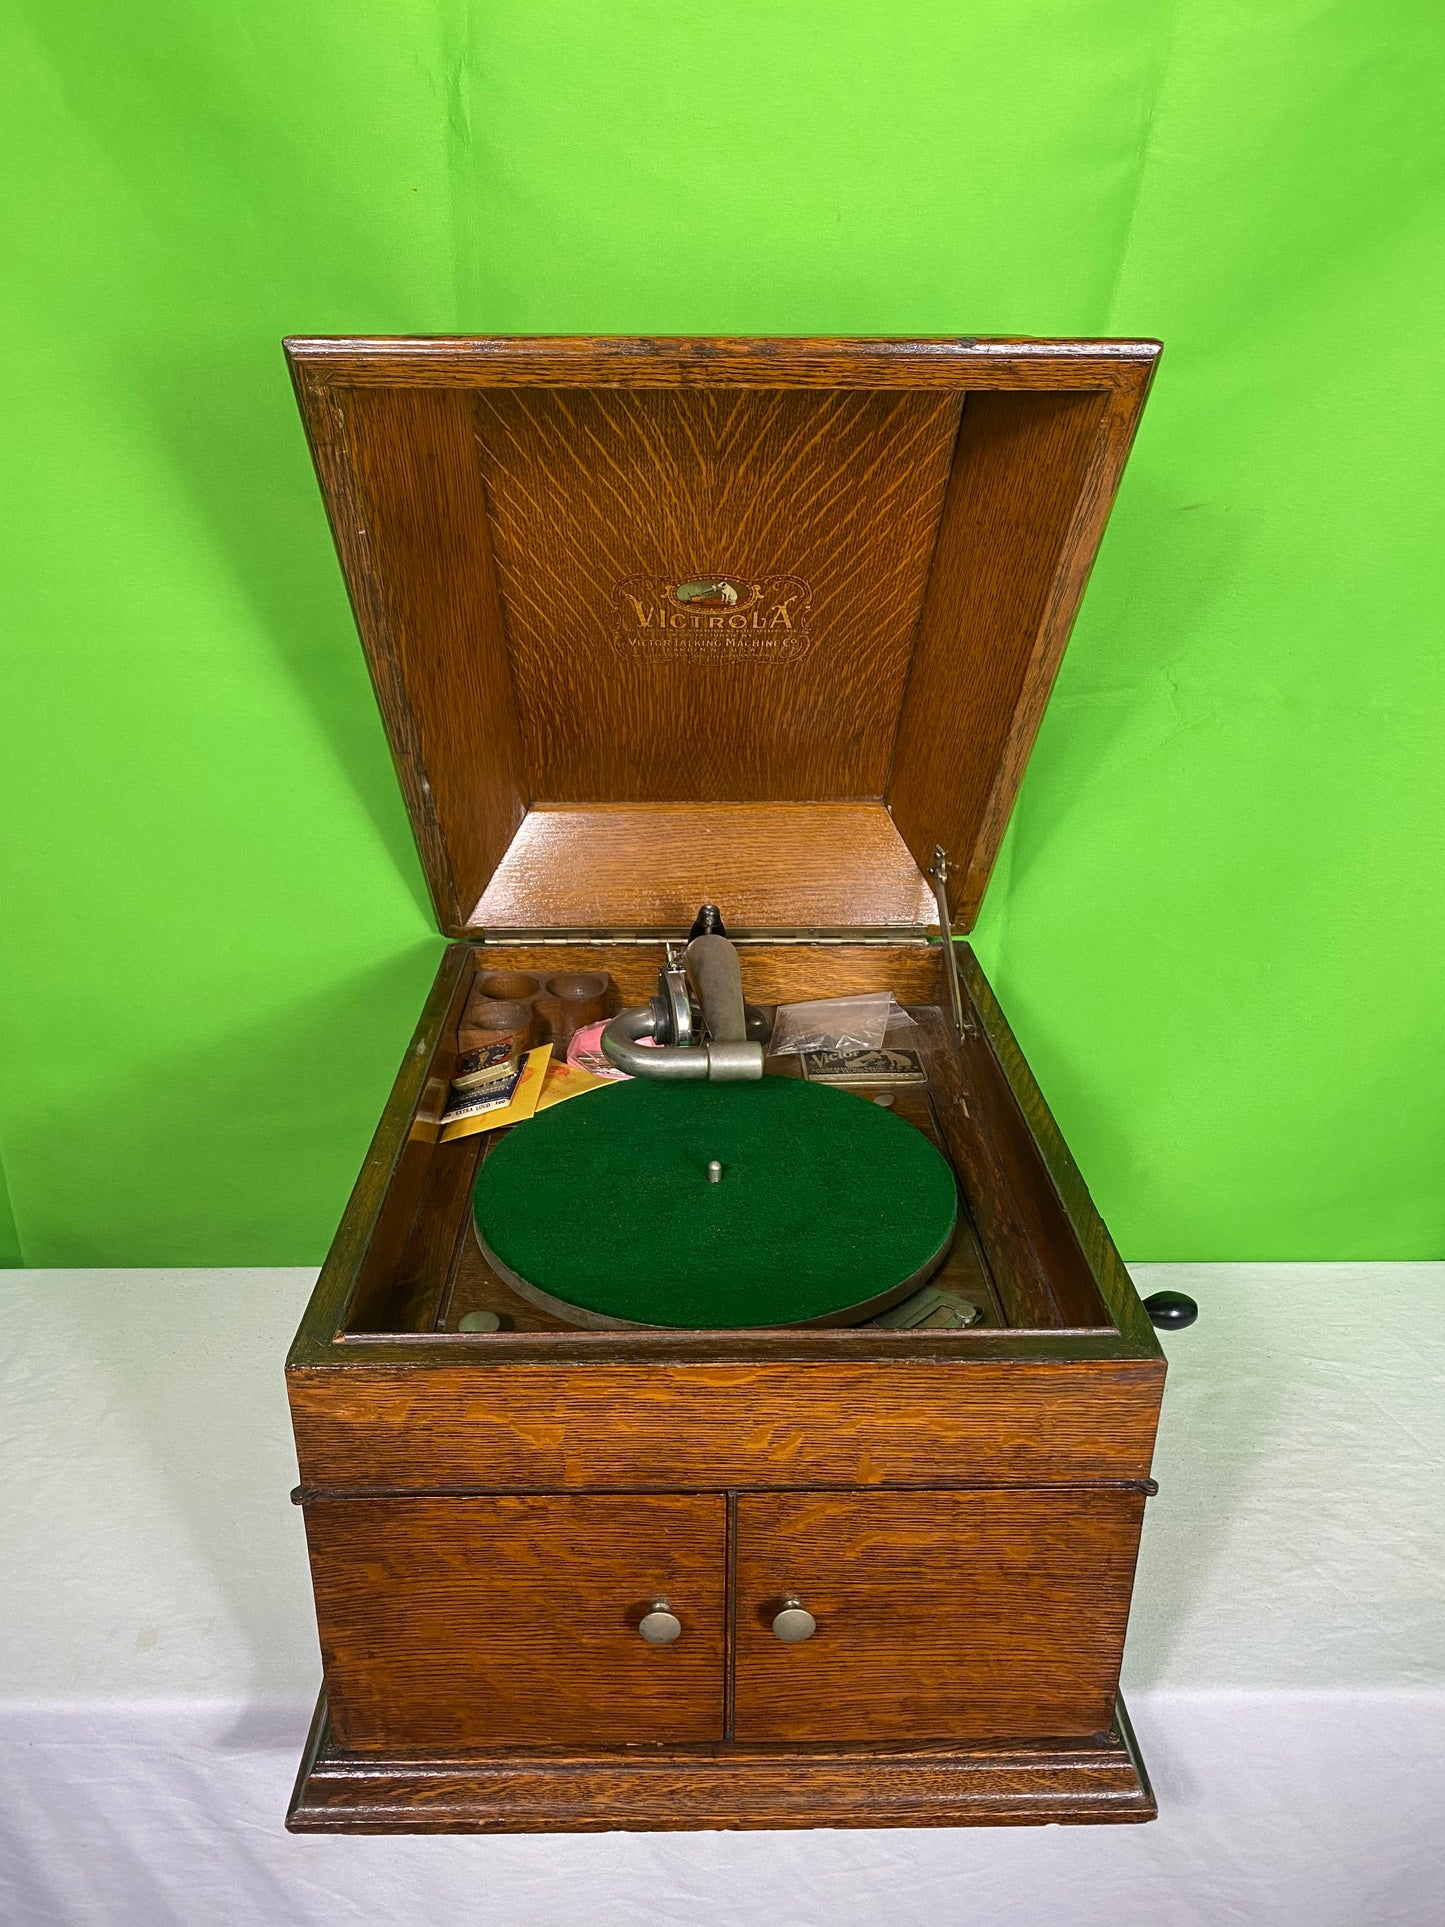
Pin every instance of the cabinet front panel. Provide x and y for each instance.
(949, 1616)
(457, 1625)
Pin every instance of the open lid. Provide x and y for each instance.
(756, 621)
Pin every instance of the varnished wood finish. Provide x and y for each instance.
(1042, 1273)
(426, 1263)
(1049, 1431)
(359, 1273)
(1031, 487)
(941, 500)
(1043, 1245)
(489, 1514)
(945, 362)
(807, 866)
(828, 1422)
(594, 487)
(732, 1787)
(467, 1624)
(400, 479)
(1100, 1253)
(772, 973)
(952, 1616)
(1053, 1264)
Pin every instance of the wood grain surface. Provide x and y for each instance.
(591, 488)
(1003, 1475)
(649, 866)
(425, 1267)
(1042, 1274)
(457, 1424)
(1110, 1276)
(1098, 483)
(490, 500)
(734, 1787)
(399, 473)
(359, 1273)
(489, 1516)
(387, 1239)
(941, 1615)
(773, 973)
(464, 1624)
(949, 362)
(982, 669)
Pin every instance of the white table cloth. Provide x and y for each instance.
(1285, 1668)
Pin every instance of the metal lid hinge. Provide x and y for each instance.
(939, 874)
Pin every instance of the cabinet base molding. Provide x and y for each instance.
(725, 1787)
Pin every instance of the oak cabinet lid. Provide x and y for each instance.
(760, 621)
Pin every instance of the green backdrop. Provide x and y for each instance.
(1218, 925)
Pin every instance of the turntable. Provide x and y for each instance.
(762, 1440)
(717, 1198)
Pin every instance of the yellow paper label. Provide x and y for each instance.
(568, 1080)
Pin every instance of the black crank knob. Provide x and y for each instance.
(1170, 1311)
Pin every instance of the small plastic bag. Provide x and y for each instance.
(833, 1023)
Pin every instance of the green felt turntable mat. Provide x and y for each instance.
(826, 1201)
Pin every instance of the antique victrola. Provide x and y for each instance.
(766, 624)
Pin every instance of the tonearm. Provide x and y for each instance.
(697, 1026)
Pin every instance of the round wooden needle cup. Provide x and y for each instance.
(572, 1000)
(492, 1011)
(490, 1020)
(507, 986)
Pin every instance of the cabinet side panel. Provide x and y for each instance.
(1042, 1274)
(383, 1201)
(1033, 479)
(994, 1037)
(403, 488)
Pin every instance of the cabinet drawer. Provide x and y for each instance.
(940, 1615)
(457, 1625)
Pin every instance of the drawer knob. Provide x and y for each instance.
(660, 1624)
(793, 1621)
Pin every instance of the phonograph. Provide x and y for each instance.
(722, 1404)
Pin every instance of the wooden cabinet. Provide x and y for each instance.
(459, 1624)
(959, 1511)
(942, 1616)
(495, 1492)
(462, 1624)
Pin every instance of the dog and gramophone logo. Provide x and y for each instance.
(712, 618)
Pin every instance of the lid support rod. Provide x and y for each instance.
(939, 874)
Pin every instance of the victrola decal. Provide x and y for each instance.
(712, 618)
